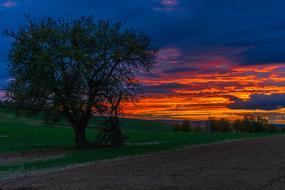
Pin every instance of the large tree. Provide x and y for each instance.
(75, 68)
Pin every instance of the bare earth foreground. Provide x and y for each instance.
(249, 164)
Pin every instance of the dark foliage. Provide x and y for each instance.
(250, 123)
(184, 126)
(74, 68)
(272, 128)
(220, 125)
(110, 135)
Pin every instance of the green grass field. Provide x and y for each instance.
(25, 136)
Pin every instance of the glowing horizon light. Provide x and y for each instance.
(190, 85)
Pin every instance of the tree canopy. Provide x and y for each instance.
(75, 68)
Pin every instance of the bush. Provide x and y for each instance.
(272, 128)
(110, 135)
(250, 123)
(198, 129)
(238, 125)
(185, 126)
(222, 125)
(283, 128)
(177, 127)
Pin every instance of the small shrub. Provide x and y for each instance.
(272, 128)
(198, 129)
(222, 125)
(110, 135)
(185, 126)
(250, 124)
(283, 129)
(178, 127)
(238, 125)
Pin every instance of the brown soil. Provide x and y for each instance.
(249, 164)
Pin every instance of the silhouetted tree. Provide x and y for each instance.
(250, 123)
(238, 125)
(177, 127)
(220, 125)
(69, 67)
(111, 134)
(282, 129)
(272, 128)
(186, 125)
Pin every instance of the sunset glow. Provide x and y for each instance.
(216, 59)
(199, 89)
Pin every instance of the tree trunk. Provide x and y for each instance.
(80, 138)
(79, 127)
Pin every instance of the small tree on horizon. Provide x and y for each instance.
(220, 125)
(186, 125)
(71, 67)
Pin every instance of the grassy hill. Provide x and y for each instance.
(27, 144)
(126, 123)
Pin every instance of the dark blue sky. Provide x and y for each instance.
(258, 25)
(246, 32)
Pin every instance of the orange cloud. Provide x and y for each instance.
(204, 87)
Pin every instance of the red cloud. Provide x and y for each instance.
(193, 85)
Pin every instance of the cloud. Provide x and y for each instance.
(180, 70)
(169, 54)
(166, 88)
(166, 5)
(9, 4)
(2, 95)
(209, 50)
(261, 101)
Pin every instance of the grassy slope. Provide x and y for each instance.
(18, 135)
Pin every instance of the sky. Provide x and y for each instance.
(217, 58)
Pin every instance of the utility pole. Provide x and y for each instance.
(209, 123)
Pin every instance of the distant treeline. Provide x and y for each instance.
(248, 123)
(4, 104)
